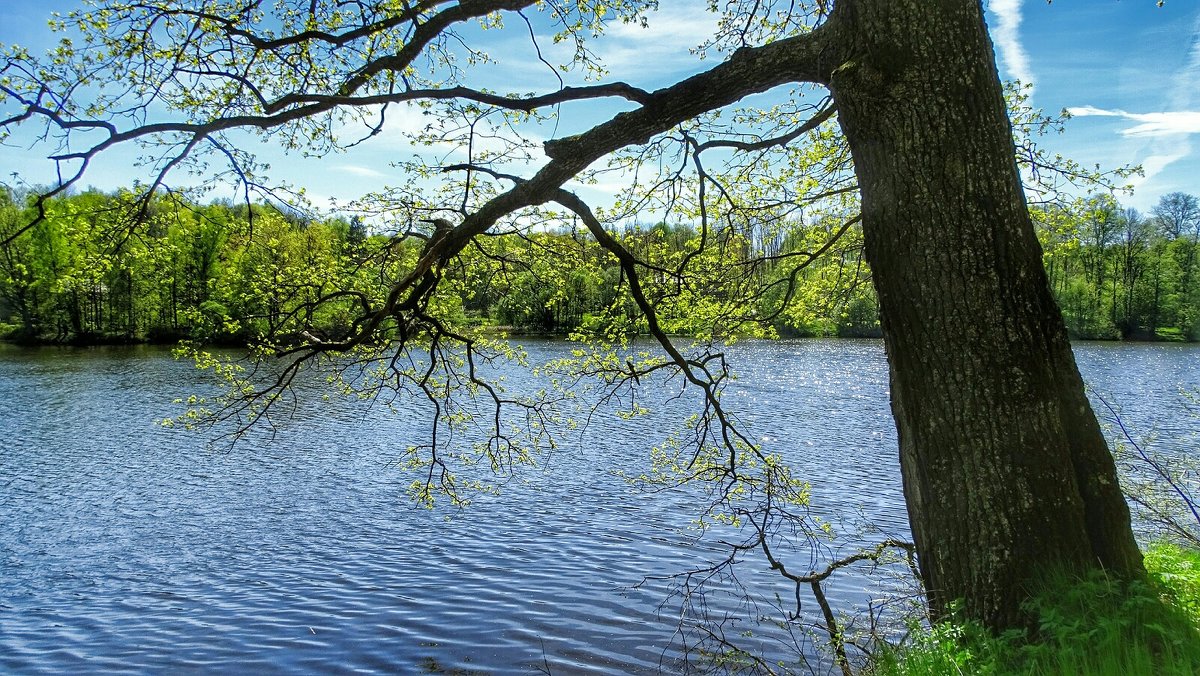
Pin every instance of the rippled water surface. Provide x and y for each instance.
(129, 546)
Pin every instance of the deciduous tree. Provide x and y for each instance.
(1006, 471)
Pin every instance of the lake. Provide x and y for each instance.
(128, 546)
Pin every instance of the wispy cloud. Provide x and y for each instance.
(683, 26)
(1169, 132)
(1154, 164)
(664, 43)
(1151, 124)
(1189, 76)
(365, 172)
(1165, 135)
(1007, 35)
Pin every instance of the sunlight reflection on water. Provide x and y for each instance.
(131, 547)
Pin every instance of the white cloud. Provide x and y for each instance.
(1153, 165)
(1188, 77)
(1007, 35)
(606, 189)
(1169, 131)
(1164, 124)
(365, 172)
(401, 119)
(1085, 111)
(1161, 138)
(664, 45)
(1152, 124)
(679, 27)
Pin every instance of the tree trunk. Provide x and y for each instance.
(1006, 472)
(1155, 306)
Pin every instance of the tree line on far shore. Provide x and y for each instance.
(228, 272)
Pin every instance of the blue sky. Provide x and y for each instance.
(1130, 73)
(1128, 70)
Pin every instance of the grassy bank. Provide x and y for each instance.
(1093, 626)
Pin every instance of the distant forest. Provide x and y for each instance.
(103, 268)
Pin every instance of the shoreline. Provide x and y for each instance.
(496, 332)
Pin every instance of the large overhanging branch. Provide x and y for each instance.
(805, 58)
(747, 71)
(695, 371)
(195, 133)
(423, 25)
(521, 103)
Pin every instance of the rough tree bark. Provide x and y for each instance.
(1006, 471)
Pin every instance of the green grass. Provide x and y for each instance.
(1096, 626)
(1171, 334)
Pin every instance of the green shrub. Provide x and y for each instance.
(1096, 625)
(1176, 570)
